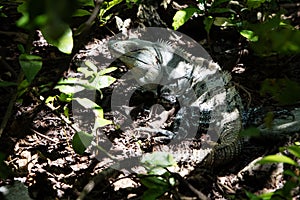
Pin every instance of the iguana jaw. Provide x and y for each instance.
(139, 56)
(119, 48)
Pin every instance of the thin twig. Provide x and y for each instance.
(44, 136)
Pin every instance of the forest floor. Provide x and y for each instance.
(38, 141)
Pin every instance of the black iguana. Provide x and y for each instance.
(204, 93)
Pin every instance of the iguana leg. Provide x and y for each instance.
(188, 123)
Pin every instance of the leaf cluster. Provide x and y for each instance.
(289, 189)
(262, 22)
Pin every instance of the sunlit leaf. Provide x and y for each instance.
(59, 34)
(106, 6)
(277, 159)
(295, 150)
(250, 35)
(223, 21)
(100, 122)
(102, 81)
(161, 159)
(91, 66)
(65, 97)
(87, 103)
(87, 73)
(107, 70)
(183, 16)
(81, 141)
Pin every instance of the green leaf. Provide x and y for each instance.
(153, 194)
(208, 22)
(66, 111)
(250, 35)
(111, 4)
(69, 86)
(65, 97)
(277, 159)
(217, 3)
(81, 12)
(266, 196)
(106, 6)
(86, 2)
(161, 159)
(154, 182)
(91, 65)
(50, 100)
(100, 122)
(290, 173)
(254, 3)
(252, 196)
(182, 16)
(23, 87)
(102, 81)
(25, 19)
(30, 65)
(107, 70)
(59, 34)
(81, 141)
(223, 21)
(87, 73)
(295, 150)
(87, 103)
(7, 84)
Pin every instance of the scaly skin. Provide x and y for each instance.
(197, 84)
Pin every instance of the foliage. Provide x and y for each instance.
(285, 91)
(30, 65)
(93, 80)
(261, 22)
(286, 192)
(105, 7)
(81, 140)
(52, 18)
(158, 179)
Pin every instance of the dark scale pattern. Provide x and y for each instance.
(209, 104)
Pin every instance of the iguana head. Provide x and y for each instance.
(141, 56)
(154, 62)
